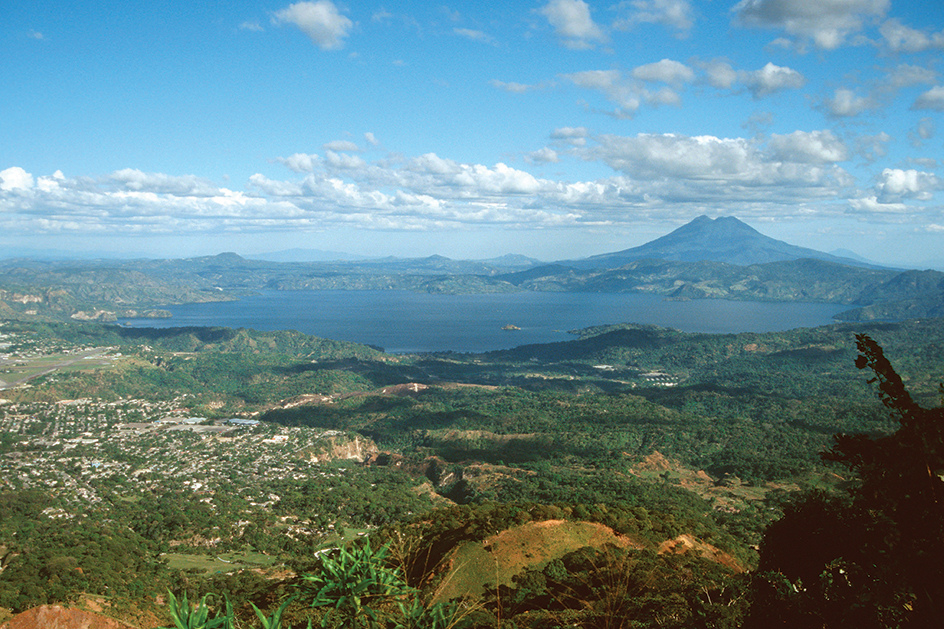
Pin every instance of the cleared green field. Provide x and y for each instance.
(19, 370)
(222, 562)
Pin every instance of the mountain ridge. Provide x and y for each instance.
(724, 239)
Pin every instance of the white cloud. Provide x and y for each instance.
(514, 88)
(872, 147)
(299, 162)
(827, 23)
(666, 71)
(905, 75)
(814, 147)
(320, 20)
(474, 35)
(341, 145)
(574, 136)
(896, 184)
(933, 99)
(901, 38)
(545, 155)
(15, 178)
(434, 164)
(770, 79)
(923, 130)
(371, 139)
(871, 205)
(158, 183)
(670, 155)
(629, 93)
(573, 23)
(846, 104)
(676, 14)
(250, 25)
(626, 94)
(668, 170)
(652, 175)
(719, 73)
(343, 161)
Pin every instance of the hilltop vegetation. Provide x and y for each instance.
(683, 447)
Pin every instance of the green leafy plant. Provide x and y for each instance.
(354, 582)
(273, 621)
(187, 616)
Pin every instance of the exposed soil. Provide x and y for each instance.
(58, 617)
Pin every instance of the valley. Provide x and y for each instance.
(631, 473)
(658, 438)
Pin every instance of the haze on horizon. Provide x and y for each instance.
(554, 129)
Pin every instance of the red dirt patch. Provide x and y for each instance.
(57, 617)
(686, 543)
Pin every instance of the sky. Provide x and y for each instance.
(556, 129)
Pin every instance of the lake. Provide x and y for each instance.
(407, 322)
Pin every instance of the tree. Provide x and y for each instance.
(876, 557)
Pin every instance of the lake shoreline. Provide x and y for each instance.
(405, 322)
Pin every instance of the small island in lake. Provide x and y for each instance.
(510, 327)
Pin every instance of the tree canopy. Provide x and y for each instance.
(874, 558)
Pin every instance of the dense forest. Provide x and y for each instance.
(635, 476)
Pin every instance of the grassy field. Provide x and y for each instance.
(222, 562)
(19, 370)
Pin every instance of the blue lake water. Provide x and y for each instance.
(407, 322)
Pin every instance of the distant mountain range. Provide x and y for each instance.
(705, 259)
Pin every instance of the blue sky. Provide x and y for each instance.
(555, 129)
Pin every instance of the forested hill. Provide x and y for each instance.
(627, 474)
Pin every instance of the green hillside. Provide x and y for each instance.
(657, 458)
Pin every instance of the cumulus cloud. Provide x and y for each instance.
(719, 73)
(574, 136)
(612, 84)
(666, 71)
(670, 155)
(827, 23)
(933, 99)
(814, 147)
(320, 20)
(871, 205)
(906, 75)
(15, 178)
(649, 175)
(343, 161)
(901, 38)
(299, 162)
(845, 103)
(698, 171)
(158, 183)
(545, 155)
(896, 184)
(628, 92)
(573, 23)
(677, 14)
(771, 79)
